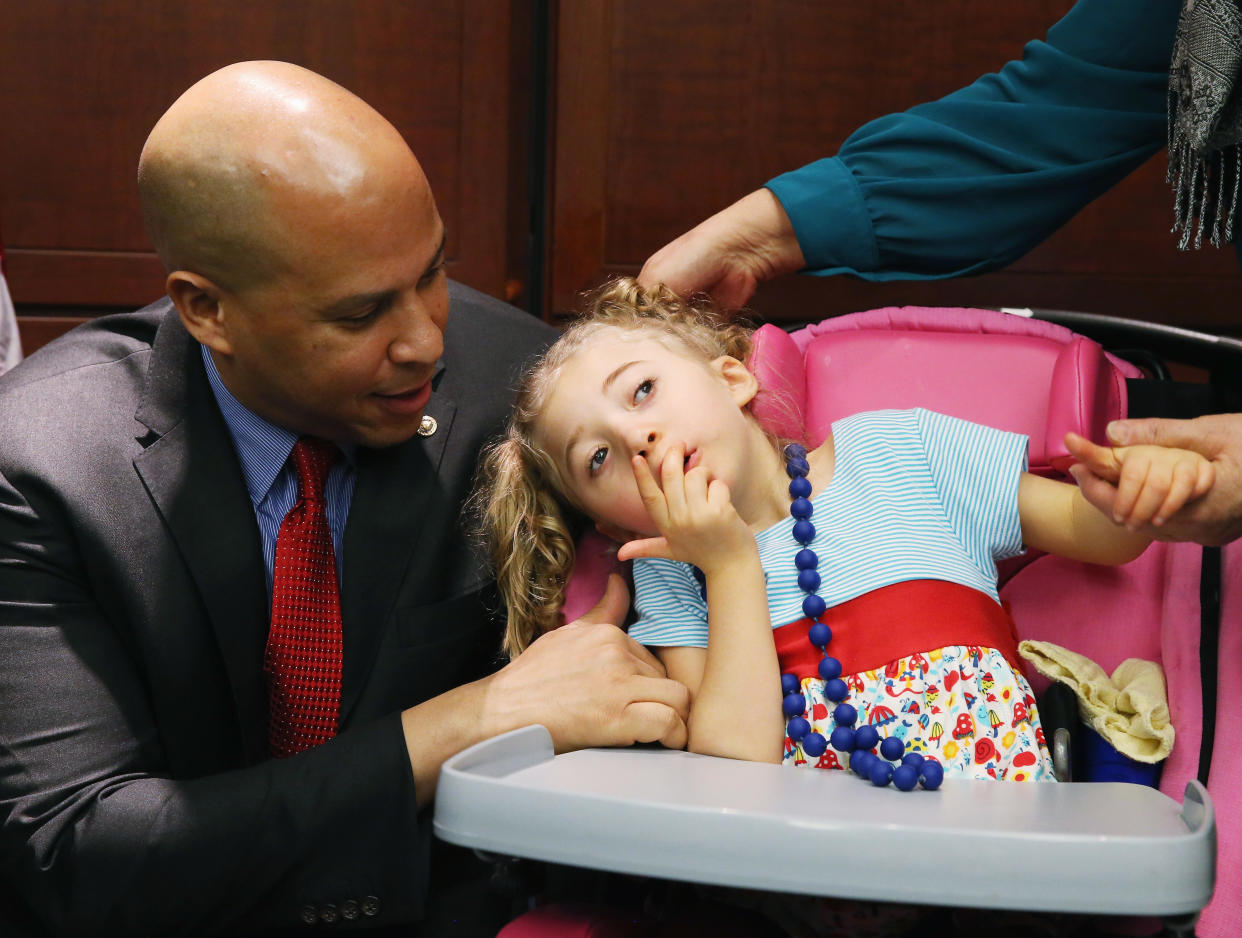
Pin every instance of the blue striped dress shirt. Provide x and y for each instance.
(263, 450)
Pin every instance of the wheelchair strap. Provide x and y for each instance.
(915, 617)
(1209, 652)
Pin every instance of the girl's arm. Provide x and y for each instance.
(734, 684)
(1152, 484)
(1057, 519)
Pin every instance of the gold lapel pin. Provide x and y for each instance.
(427, 426)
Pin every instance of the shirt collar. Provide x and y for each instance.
(262, 447)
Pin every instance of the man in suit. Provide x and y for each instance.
(144, 474)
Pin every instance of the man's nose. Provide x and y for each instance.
(419, 337)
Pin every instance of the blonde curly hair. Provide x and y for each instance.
(528, 516)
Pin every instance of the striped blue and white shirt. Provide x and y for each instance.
(913, 495)
(271, 479)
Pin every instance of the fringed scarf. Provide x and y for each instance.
(1205, 119)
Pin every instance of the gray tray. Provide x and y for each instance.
(1109, 848)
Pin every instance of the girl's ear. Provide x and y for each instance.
(742, 384)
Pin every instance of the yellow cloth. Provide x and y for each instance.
(1129, 709)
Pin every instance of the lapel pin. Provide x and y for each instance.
(427, 426)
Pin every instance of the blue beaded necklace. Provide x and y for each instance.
(857, 743)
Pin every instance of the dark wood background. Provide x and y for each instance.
(645, 117)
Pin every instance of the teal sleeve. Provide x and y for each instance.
(973, 181)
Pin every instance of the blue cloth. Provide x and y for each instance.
(973, 181)
(263, 450)
(914, 495)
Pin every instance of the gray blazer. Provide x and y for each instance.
(137, 796)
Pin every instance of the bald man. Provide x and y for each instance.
(143, 474)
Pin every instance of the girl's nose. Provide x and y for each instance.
(651, 438)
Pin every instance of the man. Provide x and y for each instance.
(145, 470)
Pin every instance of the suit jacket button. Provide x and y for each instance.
(370, 906)
(310, 914)
(329, 914)
(350, 909)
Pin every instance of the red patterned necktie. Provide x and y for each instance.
(303, 657)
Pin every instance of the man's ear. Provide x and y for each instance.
(742, 384)
(616, 533)
(198, 302)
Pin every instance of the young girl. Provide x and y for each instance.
(873, 555)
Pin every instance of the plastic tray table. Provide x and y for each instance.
(1106, 847)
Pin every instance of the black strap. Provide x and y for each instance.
(1183, 401)
(1209, 651)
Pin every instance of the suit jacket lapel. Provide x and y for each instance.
(391, 494)
(193, 477)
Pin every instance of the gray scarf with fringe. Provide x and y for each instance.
(1205, 119)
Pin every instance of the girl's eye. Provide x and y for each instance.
(643, 390)
(597, 460)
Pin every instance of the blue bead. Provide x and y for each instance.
(892, 748)
(844, 715)
(813, 606)
(860, 761)
(866, 737)
(829, 668)
(790, 683)
(797, 467)
(803, 531)
(881, 773)
(905, 777)
(814, 745)
(806, 559)
(797, 728)
(843, 739)
(799, 487)
(808, 580)
(793, 704)
(819, 634)
(795, 451)
(836, 691)
(801, 508)
(913, 759)
(931, 774)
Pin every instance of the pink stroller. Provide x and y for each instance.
(1112, 848)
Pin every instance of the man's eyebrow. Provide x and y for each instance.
(573, 437)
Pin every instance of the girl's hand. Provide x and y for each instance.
(694, 515)
(1150, 484)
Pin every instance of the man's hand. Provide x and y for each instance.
(694, 515)
(1200, 472)
(730, 253)
(590, 684)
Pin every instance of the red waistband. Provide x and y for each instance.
(896, 621)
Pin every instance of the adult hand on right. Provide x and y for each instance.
(730, 253)
(590, 684)
(1214, 519)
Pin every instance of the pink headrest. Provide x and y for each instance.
(993, 368)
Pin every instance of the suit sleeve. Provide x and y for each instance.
(973, 181)
(99, 839)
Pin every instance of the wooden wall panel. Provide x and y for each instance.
(83, 83)
(669, 111)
